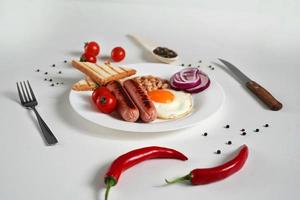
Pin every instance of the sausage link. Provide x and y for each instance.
(141, 99)
(125, 106)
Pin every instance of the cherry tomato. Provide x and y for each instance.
(92, 48)
(98, 91)
(118, 54)
(106, 102)
(88, 58)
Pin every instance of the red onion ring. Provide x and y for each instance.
(191, 80)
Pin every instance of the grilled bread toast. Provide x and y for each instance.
(85, 84)
(103, 73)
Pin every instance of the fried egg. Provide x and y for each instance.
(171, 104)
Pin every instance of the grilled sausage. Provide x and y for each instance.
(125, 106)
(141, 99)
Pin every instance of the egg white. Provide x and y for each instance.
(181, 106)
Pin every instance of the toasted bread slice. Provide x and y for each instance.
(103, 73)
(85, 84)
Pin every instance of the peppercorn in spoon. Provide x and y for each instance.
(163, 54)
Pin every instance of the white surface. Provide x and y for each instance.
(205, 104)
(261, 37)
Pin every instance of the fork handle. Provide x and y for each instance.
(49, 137)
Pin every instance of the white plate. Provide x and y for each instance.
(205, 104)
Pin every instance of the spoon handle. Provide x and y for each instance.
(146, 44)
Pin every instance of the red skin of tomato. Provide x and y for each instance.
(99, 91)
(118, 54)
(92, 48)
(106, 103)
(88, 58)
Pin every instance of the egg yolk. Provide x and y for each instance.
(161, 96)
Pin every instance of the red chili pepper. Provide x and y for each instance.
(134, 157)
(209, 175)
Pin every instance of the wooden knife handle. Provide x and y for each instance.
(264, 95)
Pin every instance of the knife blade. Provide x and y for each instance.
(264, 95)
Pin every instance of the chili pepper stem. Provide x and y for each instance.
(180, 179)
(109, 183)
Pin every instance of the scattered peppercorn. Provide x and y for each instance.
(59, 72)
(205, 134)
(198, 66)
(256, 130)
(65, 61)
(266, 125)
(52, 84)
(46, 73)
(62, 83)
(37, 70)
(229, 142)
(212, 68)
(209, 66)
(200, 61)
(227, 126)
(45, 79)
(57, 83)
(50, 79)
(182, 65)
(218, 151)
(244, 133)
(243, 129)
(53, 65)
(190, 65)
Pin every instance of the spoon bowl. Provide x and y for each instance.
(151, 47)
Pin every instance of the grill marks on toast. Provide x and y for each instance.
(103, 73)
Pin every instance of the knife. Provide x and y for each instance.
(265, 96)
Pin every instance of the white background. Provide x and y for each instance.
(262, 38)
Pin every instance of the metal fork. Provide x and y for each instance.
(29, 101)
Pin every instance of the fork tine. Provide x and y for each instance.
(27, 92)
(20, 95)
(23, 91)
(31, 91)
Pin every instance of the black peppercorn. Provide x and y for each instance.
(52, 84)
(46, 73)
(243, 129)
(256, 130)
(190, 65)
(266, 125)
(45, 79)
(37, 70)
(164, 52)
(209, 66)
(243, 133)
(53, 65)
(50, 79)
(229, 142)
(59, 72)
(200, 61)
(218, 151)
(227, 126)
(205, 134)
(62, 83)
(212, 68)
(182, 65)
(198, 66)
(65, 61)
(57, 83)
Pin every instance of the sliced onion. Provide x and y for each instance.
(205, 82)
(185, 79)
(191, 80)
